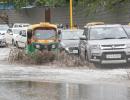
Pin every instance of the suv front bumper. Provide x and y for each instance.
(101, 56)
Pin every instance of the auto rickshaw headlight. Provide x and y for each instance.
(53, 46)
(37, 46)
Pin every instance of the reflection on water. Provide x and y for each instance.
(19, 90)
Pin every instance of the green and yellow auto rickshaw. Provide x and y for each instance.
(42, 36)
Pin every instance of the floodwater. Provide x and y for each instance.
(27, 90)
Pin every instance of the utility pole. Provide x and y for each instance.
(71, 14)
(47, 14)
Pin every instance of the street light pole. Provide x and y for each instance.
(71, 14)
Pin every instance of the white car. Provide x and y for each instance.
(20, 25)
(11, 35)
(16, 34)
(21, 38)
(3, 29)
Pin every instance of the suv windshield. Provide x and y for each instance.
(127, 29)
(71, 34)
(45, 34)
(99, 33)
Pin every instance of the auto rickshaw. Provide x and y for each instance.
(42, 36)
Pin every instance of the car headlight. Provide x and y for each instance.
(67, 49)
(95, 47)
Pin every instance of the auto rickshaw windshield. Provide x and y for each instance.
(45, 34)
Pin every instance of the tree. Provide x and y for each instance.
(91, 5)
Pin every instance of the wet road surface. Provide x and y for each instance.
(18, 82)
(36, 73)
(26, 90)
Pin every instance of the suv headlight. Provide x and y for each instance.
(95, 47)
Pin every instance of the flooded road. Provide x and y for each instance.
(20, 82)
(4, 54)
(26, 90)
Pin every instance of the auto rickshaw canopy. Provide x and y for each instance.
(42, 25)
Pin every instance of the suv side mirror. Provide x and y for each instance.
(83, 38)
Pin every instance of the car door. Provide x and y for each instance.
(9, 36)
(22, 38)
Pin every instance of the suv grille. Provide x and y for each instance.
(112, 47)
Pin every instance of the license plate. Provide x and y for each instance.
(109, 56)
(75, 51)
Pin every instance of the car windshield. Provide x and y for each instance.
(45, 34)
(99, 33)
(16, 31)
(71, 34)
(4, 27)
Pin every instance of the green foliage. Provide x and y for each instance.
(49, 2)
(90, 5)
(20, 3)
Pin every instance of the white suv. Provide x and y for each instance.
(105, 44)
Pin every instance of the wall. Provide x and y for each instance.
(120, 15)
